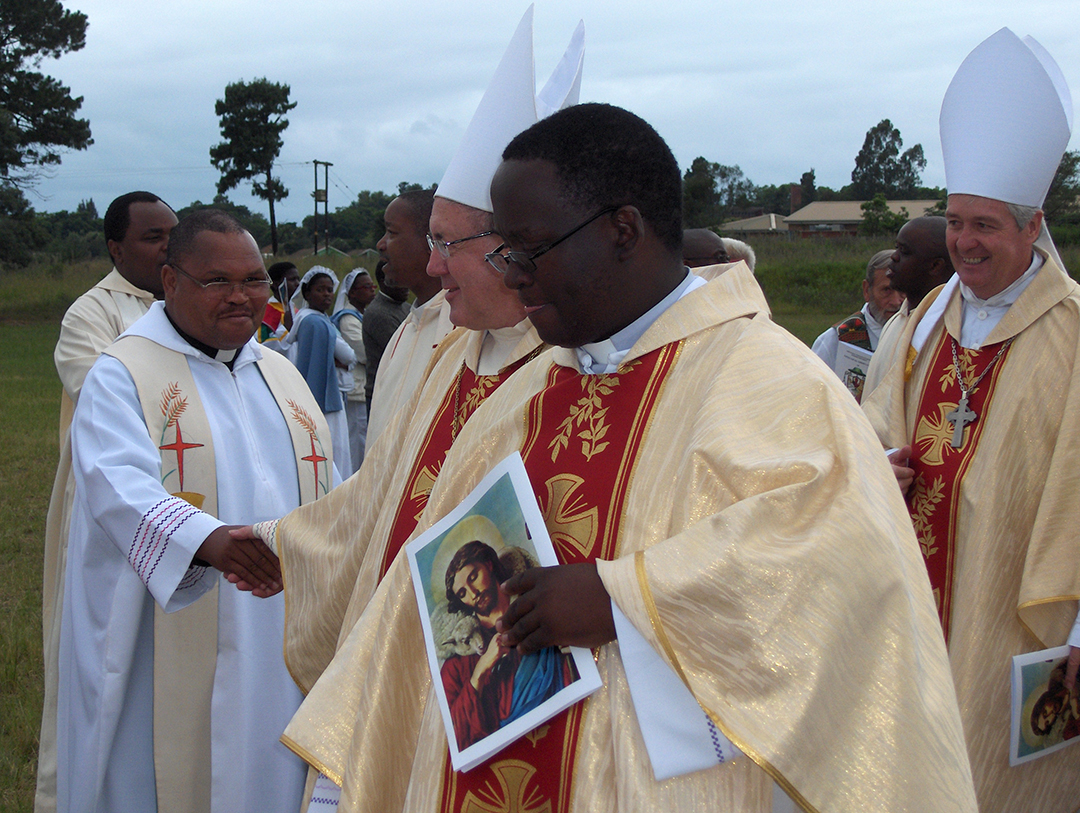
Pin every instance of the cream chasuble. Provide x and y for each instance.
(332, 550)
(1016, 577)
(192, 659)
(801, 622)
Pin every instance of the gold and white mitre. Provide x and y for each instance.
(510, 106)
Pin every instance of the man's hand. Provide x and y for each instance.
(905, 475)
(565, 605)
(243, 560)
(1070, 669)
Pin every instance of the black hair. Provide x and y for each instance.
(607, 156)
(118, 215)
(419, 202)
(277, 271)
(184, 233)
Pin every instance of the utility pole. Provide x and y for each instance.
(321, 196)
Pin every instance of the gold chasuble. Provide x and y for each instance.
(334, 551)
(461, 400)
(720, 480)
(186, 641)
(1003, 507)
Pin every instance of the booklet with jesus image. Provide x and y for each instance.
(1045, 714)
(489, 695)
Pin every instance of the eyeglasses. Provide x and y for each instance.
(523, 259)
(444, 248)
(252, 287)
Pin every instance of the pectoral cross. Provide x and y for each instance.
(959, 418)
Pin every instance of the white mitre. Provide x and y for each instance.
(1005, 121)
(510, 106)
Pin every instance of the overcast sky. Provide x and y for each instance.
(385, 89)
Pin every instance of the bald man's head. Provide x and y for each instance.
(921, 260)
(702, 247)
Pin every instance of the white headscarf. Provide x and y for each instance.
(342, 300)
(298, 300)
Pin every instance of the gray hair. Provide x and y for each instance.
(738, 250)
(879, 260)
(1021, 214)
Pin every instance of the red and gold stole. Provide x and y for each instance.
(934, 500)
(582, 436)
(464, 397)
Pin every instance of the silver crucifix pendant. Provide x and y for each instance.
(959, 418)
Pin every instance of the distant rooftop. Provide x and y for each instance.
(849, 212)
(756, 225)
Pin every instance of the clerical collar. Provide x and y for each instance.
(497, 346)
(605, 356)
(418, 307)
(226, 357)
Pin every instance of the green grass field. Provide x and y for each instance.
(29, 410)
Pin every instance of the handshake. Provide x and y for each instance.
(244, 558)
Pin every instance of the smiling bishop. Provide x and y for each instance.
(984, 387)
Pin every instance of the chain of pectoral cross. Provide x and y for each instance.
(963, 415)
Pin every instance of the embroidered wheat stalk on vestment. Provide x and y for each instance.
(172, 404)
(302, 417)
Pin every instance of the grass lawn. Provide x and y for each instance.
(806, 324)
(29, 410)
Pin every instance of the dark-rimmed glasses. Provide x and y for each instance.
(524, 259)
(252, 287)
(444, 248)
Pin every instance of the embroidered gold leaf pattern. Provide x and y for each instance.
(513, 795)
(948, 378)
(966, 357)
(933, 434)
(172, 404)
(589, 413)
(479, 392)
(303, 417)
(923, 505)
(537, 734)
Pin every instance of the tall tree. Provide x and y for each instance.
(712, 192)
(701, 200)
(808, 187)
(252, 121)
(879, 220)
(37, 113)
(1063, 198)
(880, 166)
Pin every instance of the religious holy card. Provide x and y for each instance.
(851, 365)
(489, 695)
(1045, 715)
